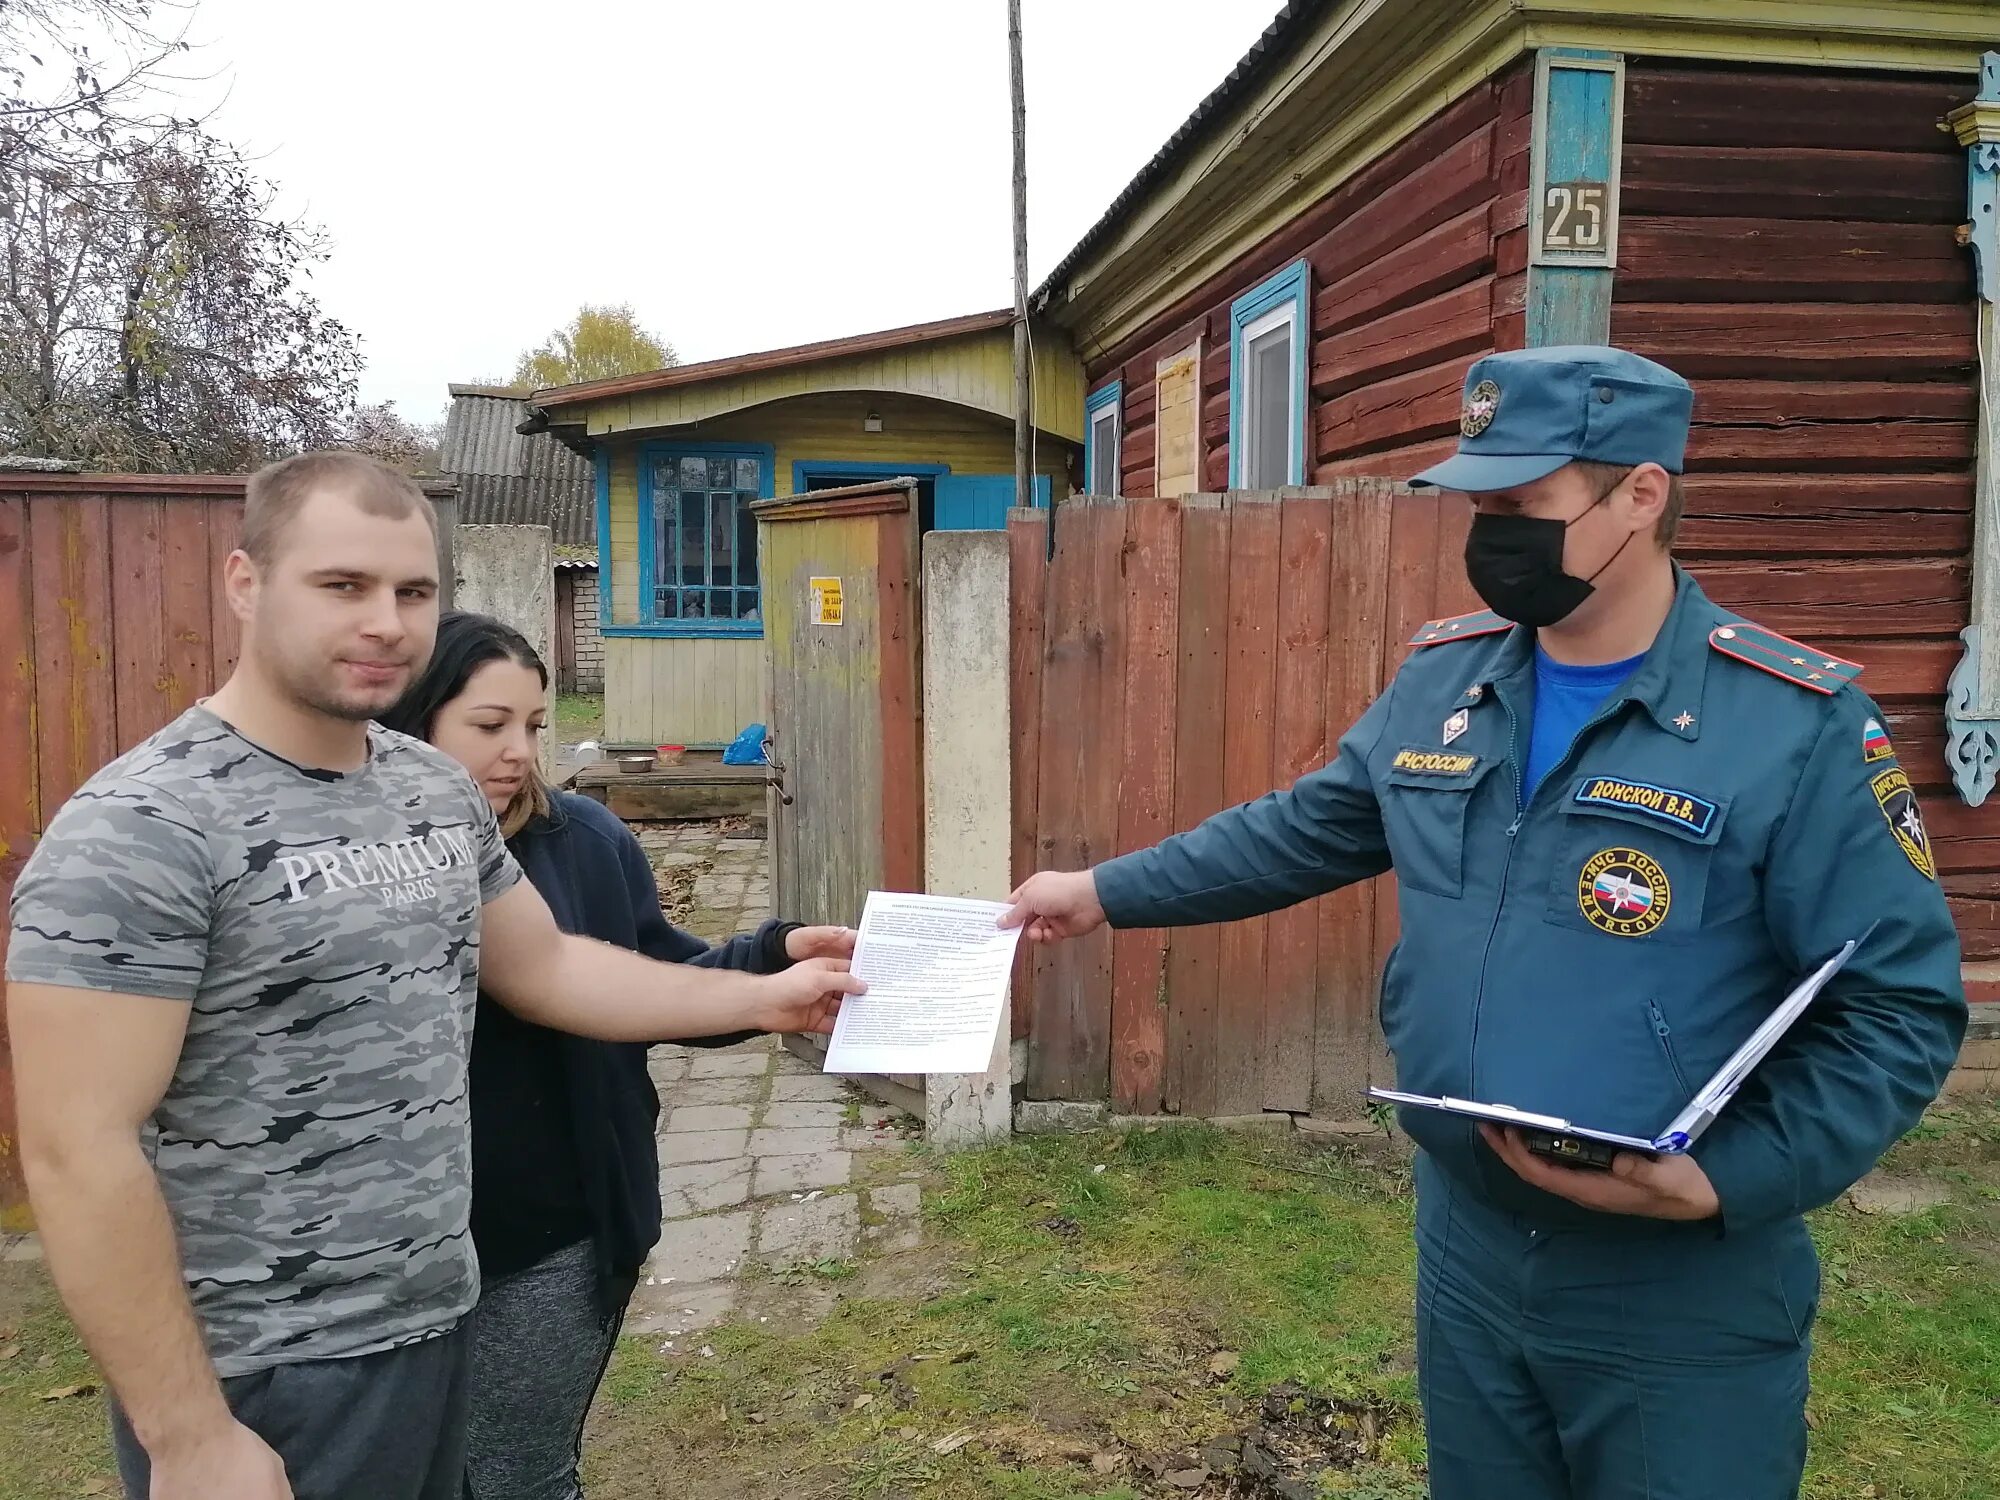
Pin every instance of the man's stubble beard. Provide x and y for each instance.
(315, 692)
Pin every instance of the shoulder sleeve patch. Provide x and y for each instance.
(1875, 743)
(1461, 628)
(1784, 657)
(1898, 801)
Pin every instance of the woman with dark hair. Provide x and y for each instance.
(565, 1171)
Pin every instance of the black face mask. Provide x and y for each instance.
(1515, 563)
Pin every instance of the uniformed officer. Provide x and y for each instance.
(1623, 823)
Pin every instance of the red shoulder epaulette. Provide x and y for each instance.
(1781, 656)
(1461, 628)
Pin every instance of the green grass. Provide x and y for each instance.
(578, 716)
(1085, 1307)
(47, 1448)
(1066, 1312)
(1906, 1359)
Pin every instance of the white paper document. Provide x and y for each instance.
(937, 969)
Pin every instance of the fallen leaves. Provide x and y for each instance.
(69, 1392)
(1222, 1364)
(954, 1442)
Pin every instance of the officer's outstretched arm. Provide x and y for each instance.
(1860, 1067)
(1325, 832)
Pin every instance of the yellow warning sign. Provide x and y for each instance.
(826, 601)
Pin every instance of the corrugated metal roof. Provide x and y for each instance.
(508, 479)
(1250, 69)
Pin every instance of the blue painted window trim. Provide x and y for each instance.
(1293, 285)
(1112, 395)
(649, 455)
(600, 462)
(806, 468)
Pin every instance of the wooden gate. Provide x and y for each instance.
(1174, 658)
(112, 622)
(839, 574)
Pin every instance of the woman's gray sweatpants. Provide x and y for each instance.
(539, 1348)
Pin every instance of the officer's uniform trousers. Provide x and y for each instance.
(1660, 1362)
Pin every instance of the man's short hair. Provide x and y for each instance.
(277, 490)
(1606, 477)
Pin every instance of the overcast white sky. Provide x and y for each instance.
(746, 173)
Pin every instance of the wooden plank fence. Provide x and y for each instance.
(1173, 658)
(112, 621)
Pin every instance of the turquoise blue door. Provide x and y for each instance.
(979, 502)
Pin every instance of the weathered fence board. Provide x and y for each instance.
(1146, 799)
(1195, 654)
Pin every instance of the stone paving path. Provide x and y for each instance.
(764, 1166)
(731, 887)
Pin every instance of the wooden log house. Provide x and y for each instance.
(1795, 206)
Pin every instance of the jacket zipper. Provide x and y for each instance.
(1666, 1035)
(1506, 872)
(1522, 800)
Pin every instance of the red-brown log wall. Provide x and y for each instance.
(1787, 243)
(1418, 268)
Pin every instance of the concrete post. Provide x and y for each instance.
(508, 572)
(968, 787)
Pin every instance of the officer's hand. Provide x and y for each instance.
(1054, 905)
(1666, 1187)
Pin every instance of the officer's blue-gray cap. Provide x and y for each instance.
(1528, 412)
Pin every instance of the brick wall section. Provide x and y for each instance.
(589, 642)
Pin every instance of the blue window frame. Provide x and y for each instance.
(1270, 327)
(698, 572)
(1102, 420)
(806, 470)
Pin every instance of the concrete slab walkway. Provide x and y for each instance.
(764, 1167)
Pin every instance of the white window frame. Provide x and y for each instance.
(1103, 409)
(1284, 298)
(1287, 317)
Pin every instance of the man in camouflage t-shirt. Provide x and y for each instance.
(241, 978)
(325, 928)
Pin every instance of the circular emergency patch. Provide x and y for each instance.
(1624, 892)
(1479, 409)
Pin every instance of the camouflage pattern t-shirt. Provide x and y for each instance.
(313, 1144)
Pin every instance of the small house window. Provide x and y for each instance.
(703, 534)
(1100, 447)
(1267, 382)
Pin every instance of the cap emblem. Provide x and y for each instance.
(1479, 409)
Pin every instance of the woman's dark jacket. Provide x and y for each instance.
(563, 1127)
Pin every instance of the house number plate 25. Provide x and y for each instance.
(1574, 216)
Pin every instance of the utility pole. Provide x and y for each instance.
(1024, 491)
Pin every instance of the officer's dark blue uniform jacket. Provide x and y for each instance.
(1595, 951)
